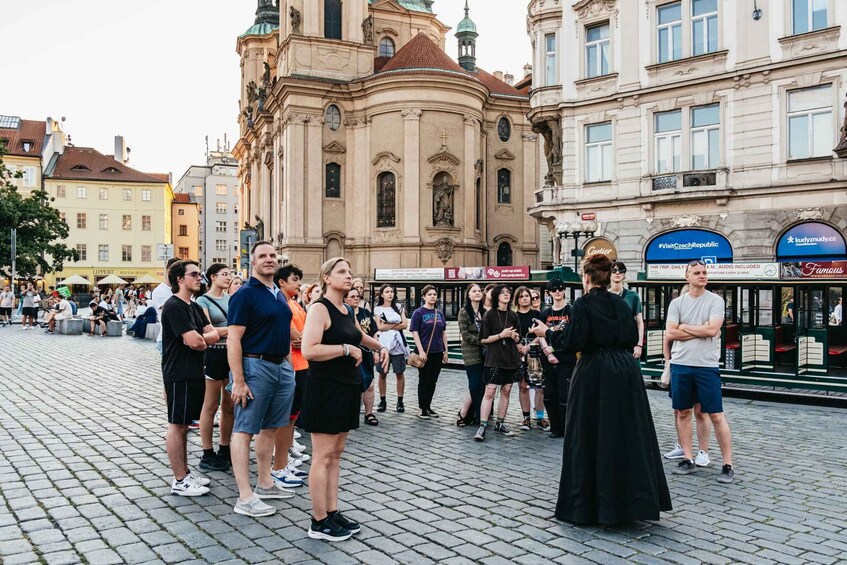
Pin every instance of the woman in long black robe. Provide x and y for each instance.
(611, 466)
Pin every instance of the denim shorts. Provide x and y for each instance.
(696, 384)
(272, 386)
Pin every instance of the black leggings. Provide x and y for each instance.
(428, 378)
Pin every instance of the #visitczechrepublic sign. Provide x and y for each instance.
(681, 246)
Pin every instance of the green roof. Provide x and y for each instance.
(414, 5)
(260, 29)
(466, 25)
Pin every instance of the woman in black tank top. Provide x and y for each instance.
(333, 394)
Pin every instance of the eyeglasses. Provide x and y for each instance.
(195, 274)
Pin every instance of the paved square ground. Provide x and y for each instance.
(84, 478)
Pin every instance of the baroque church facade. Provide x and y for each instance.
(360, 136)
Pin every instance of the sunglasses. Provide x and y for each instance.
(696, 262)
(558, 289)
(536, 297)
(622, 271)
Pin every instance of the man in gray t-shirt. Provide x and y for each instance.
(694, 323)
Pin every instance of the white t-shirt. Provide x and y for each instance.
(64, 310)
(701, 351)
(6, 299)
(391, 339)
(158, 297)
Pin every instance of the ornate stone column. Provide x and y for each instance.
(410, 211)
(314, 180)
(295, 178)
(469, 180)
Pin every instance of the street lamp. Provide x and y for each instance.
(576, 230)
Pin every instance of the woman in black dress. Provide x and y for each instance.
(368, 325)
(611, 467)
(331, 339)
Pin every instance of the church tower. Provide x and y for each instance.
(466, 35)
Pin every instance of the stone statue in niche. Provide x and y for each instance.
(296, 18)
(368, 30)
(266, 76)
(442, 203)
(260, 229)
(841, 148)
(552, 133)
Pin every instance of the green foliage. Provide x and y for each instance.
(40, 229)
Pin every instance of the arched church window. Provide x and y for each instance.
(333, 180)
(385, 200)
(504, 186)
(333, 117)
(504, 254)
(332, 19)
(386, 47)
(504, 129)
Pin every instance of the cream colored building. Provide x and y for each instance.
(692, 118)
(360, 136)
(24, 142)
(116, 215)
(185, 226)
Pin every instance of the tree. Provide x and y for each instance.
(40, 229)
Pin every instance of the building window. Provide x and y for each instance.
(504, 186)
(550, 59)
(333, 180)
(180, 212)
(598, 152)
(597, 50)
(220, 189)
(478, 201)
(146, 253)
(29, 176)
(385, 204)
(669, 32)
(104, 194)
(810, 131)
(63, 216)
(103, 252)
(332, 116)
(704, 26)
(82, 250)
(220, 227)
(198, 191)
(145, 195)
(808, 15)
(183, 230)
(705, 137)
(104, 221)
(668, 141)
(80, 221)
(126, 252)
(81, 192)
(504, 129)
(220, 245)
(145, 223)
(127, 194)
(126, 222)
(220, 207)
(61, 191)
(504, 254)
(332, 19)
(183, 253)
(386, 47)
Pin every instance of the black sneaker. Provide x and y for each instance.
(213, 463)
(400, 407)
(685, 467)
(339, 519)
(432, 413)
(727, 474)
(382, 406)
(328, 530)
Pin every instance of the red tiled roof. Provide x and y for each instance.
(495, 85)
(164, 177)
(379, 63)
(28, 130)
(85, 163)
(422, 54)
(182, 198)
(524, 85)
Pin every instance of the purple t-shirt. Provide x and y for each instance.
(423, 322)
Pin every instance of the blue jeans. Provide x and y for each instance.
(476, 388)
(272, 386)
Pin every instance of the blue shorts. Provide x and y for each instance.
(272, 386)
(696, 384)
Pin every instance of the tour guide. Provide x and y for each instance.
(258, 347)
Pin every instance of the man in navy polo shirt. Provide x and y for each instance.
(258, 348)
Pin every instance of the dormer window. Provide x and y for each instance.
(111, 170)
(27, 146)
(80, 168)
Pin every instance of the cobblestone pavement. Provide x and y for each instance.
(84, 478)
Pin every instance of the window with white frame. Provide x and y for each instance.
(220, 245)
(61, 191)
(104, 194)
(145, 195)
(81, 192)
(669, 32)
(29, 176)
(704, 26)
(386, 47)
(127, 194)
(220, 207)
(104, 221)
(668, 141)
(220, 227)
(810, 127)
(220, 189)
(103, 252)
(80, 220)
(198, 190)
(598, 152)
(146, 253)
(145, 223)
(705, 137)
(126, 253)
(126, 222)
(550, 59)
(597, 50)
(808, 15)
(64, 217)
(82, 249)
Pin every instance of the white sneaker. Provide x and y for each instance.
(298, 447)
(293, 462)
(675, 453)
(200, 481)
(297, 435)
(188, 487)
(702, 459)
(297, 456)
(286, 479)
(254, 507)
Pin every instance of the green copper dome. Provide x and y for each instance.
(414, 5)
(267, 19)
(466, 25)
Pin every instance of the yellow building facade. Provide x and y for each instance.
(185, 226)
(23, 142)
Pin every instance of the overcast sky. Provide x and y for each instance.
(164, 73)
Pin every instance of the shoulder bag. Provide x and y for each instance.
(415, 360)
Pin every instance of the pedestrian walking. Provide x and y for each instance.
(473, 355)
(333, 394)
(694, 323)
(215, 305)
(558, 363)
(611, 466)
(522, 303)
(187, 334)
(258, 350)
(391, 321)
(500, 335)
(429, 327)
(7, 302)
(368, 324)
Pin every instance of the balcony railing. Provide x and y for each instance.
(673, 181)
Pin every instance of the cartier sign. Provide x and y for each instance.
(601, 245)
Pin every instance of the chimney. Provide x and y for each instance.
(498, 75)
(120, 149)
(509, 79)
(527, 70)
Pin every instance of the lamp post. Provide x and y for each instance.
(576, 230)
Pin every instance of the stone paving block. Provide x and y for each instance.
(12, 547)
(21, 559)
(62, 558)
(104, 556)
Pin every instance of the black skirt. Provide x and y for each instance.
(330, 407)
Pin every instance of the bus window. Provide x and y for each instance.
(787, 310)
(816, 319)
(765, 308)
(746, 307)
(835, 307)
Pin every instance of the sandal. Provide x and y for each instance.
(371, 420)
(461, 421)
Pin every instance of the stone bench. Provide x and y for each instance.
(152, 332)
(114, 328)
(71, 326)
